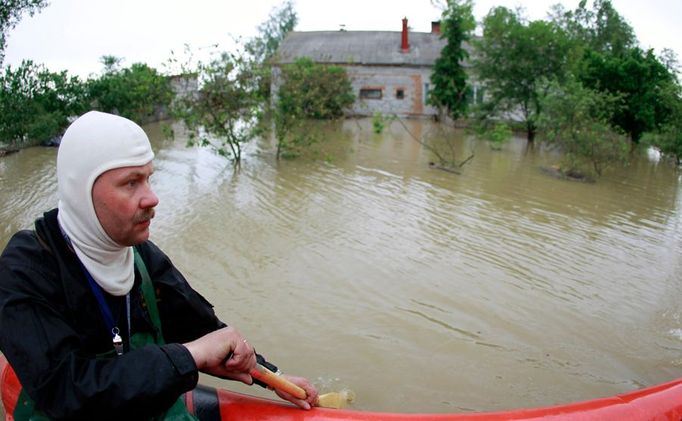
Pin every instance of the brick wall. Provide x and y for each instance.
(403, 90)
(413, 82)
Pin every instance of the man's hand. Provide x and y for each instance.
(311, 392)
(224, 353)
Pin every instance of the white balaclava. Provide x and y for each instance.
(93, 144)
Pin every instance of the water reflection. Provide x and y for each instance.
(421, 290)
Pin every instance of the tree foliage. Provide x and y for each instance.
(138, 92)
(612, 62)
(449, 78)
(577, 120)
(640, 78)
(281, 21)
(308, 90)
(514, 61)
(35, 103)
(262, 48)
(668, 138)
(497, 135)
(600, 28)
(223, 114)
(11, 12)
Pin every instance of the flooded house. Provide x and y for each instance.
(390, 71)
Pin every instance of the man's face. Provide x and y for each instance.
(124, 203)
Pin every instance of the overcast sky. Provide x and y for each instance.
(73, 34)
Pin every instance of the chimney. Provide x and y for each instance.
(404, 45)
(435, 27)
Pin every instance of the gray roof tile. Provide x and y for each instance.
(361, 47)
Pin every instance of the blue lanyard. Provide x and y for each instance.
(104, 307)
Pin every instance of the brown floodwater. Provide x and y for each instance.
(361, 267)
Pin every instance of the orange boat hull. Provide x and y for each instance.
(661, 402)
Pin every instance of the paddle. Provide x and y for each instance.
(335, 400)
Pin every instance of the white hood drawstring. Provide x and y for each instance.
(93, 144)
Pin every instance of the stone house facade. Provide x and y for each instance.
(390, 71)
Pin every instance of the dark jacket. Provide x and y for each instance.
(51, 331)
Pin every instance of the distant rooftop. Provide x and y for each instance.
(361, 47)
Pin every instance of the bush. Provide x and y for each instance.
(308, 90)
(314, 90)
(139, 93)
(223, 115)
(497, 135)
(35, 104)
(577, 120)
(668, 141)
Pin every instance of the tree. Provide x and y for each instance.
(612, 62)
(308, 90)
(281, 21)
(497, 134)
(514, 62)
(668, 139)
(449, 79)
(670, 60)
(137, 92)
(111, 63)
(11, 12)
(223, 114)
(262, 48)
(640, 78)
(577, 120)
(601, 29)
(35, 103)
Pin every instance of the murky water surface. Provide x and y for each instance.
(421, 290)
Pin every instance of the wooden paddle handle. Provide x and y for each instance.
(277, 382)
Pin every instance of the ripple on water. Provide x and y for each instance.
(503, 287)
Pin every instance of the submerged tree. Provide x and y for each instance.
(222, 115)
(308, 90)
(262, 48)
(443, 148)
(577, 120)
(281, 21)
(233, 89)
(668, 138)
(514, 61)
(612, 62)
(449, 78)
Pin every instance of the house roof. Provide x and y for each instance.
(361, 47)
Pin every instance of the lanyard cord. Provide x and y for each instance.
(97, 291)
(103, 306)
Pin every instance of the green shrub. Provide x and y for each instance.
(35, 104)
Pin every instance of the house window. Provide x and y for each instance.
(371, 93)
(400, 93)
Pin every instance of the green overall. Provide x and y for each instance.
(25, 409)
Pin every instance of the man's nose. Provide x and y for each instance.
(149, 199)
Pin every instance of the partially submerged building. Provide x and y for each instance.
(390, 71)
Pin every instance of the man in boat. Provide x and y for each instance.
(94, 318)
